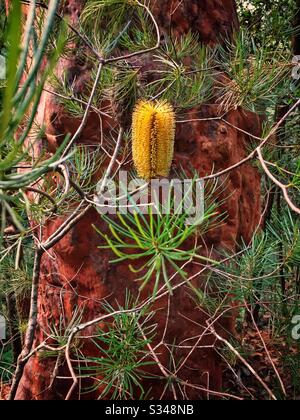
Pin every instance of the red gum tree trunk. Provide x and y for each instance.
(77, 274)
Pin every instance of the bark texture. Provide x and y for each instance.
(75, 274)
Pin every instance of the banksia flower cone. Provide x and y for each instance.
(153, 135)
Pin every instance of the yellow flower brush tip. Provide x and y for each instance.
(153, 135)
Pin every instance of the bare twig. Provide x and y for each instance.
(250, 368)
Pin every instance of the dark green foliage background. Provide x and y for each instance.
(273, 257)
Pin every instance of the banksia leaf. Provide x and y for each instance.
(153, 134)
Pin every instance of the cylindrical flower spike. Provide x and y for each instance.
(153, 135)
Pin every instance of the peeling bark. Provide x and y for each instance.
(75, 274)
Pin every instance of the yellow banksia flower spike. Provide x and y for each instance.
(153, 135)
